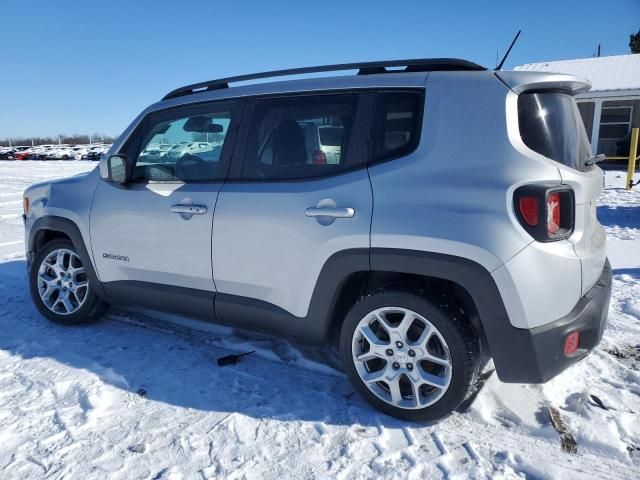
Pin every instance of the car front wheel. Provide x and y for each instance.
(60, 286)
(410, 357)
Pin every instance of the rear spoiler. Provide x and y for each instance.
(519, 81)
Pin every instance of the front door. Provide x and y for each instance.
(152, 238)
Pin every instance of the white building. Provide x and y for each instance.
(612, 106)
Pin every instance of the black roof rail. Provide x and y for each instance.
(364, 68)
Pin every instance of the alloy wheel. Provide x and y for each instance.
(62, 282)
(401, 357)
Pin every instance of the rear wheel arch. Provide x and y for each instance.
(464, 280)
(362, 283)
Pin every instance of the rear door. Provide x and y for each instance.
(282, 214)
(152, 238)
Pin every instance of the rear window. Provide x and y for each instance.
(551, 125)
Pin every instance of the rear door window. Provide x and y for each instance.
(550, 124)
(303, 136)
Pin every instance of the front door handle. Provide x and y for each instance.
(333, 212)
(189, 209)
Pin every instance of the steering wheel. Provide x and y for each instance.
(190, 167)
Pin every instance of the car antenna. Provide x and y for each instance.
(499, 67)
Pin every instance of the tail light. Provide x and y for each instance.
(546, 212)
(528, 206)
(553, 213)
(319, 157)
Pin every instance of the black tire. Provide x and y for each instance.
(92, 308)
(456, 331)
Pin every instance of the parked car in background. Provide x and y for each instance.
(44, 151)
(52, 153)
(62, 152)
(92, 155)
(155, 152)
(24, 154)
(323, 143)
(12, 152)
(78, 151)
(37, 152)
(6, 153)
(94, 152)
(55, 152)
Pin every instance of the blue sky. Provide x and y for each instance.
(73, 66)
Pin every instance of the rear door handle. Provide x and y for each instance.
(189, 209)
(333, 212)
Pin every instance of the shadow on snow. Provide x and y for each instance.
(181, 371)
(611, 216)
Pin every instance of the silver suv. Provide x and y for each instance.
(455, 220)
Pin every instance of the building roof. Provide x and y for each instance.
(619, 72)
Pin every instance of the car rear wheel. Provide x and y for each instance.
(410, 357)
(60, 286)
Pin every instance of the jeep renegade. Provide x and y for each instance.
(420, 216)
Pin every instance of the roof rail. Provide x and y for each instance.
(364, 68)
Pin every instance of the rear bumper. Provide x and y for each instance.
(537, 355)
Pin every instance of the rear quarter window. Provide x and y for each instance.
(550, 124)
(398, 123)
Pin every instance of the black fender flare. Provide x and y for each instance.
(507, 344)
(71, 230)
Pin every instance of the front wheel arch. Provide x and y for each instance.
(58, 268)
(49, 228)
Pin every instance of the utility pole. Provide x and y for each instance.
(598, 50)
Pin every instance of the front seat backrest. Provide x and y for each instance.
(289, 146)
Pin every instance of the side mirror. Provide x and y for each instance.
(113, 168)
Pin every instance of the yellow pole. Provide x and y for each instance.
(633, 155)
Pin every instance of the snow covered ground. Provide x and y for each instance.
(138, 395)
